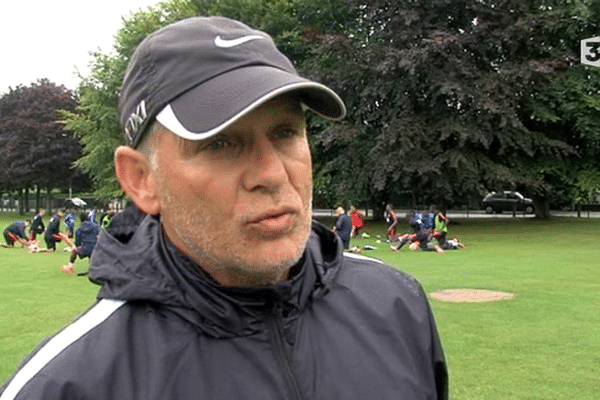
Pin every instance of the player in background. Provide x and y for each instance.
(391, 218)
(85, 241)
(441, 227)
(357, 220)
(37, 225)
(15, 232)
(93, 214)
(70, 223)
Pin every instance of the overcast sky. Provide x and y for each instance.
(52, 38)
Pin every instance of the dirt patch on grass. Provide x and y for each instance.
(470, 295)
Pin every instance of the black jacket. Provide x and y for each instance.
(87, 236)
(342, 327)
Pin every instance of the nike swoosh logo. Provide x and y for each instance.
(227, 43)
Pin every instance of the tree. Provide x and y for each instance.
(36, 149)
(440, 97)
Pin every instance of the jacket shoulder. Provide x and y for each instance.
(371, 277)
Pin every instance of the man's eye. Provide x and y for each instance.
(285, 133)
(218, 144)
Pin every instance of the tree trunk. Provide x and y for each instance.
(26, 200)
(542, 207)
(38, 193)
(21, 202)
(49, 197)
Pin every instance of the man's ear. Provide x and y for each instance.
(136, 178)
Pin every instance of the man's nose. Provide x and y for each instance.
(266, 170)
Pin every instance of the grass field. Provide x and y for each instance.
(543, 344)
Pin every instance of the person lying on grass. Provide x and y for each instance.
(421, 240)
(454, 244)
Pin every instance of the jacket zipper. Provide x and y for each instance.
(280, 354)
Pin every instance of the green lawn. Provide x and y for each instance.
(36, 297)
(543, 344)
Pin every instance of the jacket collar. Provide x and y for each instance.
(133, 260)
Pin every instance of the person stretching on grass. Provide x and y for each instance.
(53, 235)
(85, 240)
(37, 225)
(15, 232)
(423, 241)
(218, 284)
(402, 240)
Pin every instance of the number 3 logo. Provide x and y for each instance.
(593, 52)
(590, 51)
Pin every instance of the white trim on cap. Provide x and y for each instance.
(169, 120)
(58, 343)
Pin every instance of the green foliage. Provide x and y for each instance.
(448, 99)
(95, 121)
(588, 183)
(569, 109)
(35, 148)
(440, 97)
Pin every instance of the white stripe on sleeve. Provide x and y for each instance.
(58, 343)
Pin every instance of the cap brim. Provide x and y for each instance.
(212, 106)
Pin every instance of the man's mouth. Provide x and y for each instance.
(274, 222)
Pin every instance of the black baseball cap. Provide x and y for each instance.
(199, 75)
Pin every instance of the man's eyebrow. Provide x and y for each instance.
(295, 107)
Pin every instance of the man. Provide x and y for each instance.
(70, 223)
(218, 285)
(53, 234)
(391, 218)
(429, 220)
(416, 220)
(105, 220)
(92, 215)
(15, 232)
(441, 227)
(357, 220)
(85, 240)
(343, 227)
(37, 225)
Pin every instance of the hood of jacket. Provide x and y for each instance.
(134, 261)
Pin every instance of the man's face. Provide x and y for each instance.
(239, 203)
